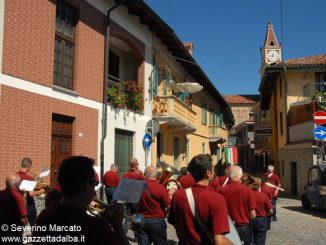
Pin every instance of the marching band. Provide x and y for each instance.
(203, 207)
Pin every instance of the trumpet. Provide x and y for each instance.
(41, 185)
(98, 208)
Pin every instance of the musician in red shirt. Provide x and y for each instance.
(136, 174)
(240, 202)
(26, 166)
(263, 210)
(210, 206)
(153, 206)
(12, 207)
(134, 171)
(111, 180)
(274, 180)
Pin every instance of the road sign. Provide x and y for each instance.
(147, 141)
(153, 126)
(320, 133)
(320, 117)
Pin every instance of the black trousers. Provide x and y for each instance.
(244, 234)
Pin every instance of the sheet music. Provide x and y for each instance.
(129, 190)
(98, 187)
(44, 173)
(97, 169)
(27, 185)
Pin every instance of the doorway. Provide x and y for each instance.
(176, 152)
(61, 143)
(294, 187)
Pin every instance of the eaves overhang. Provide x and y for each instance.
(168, 37)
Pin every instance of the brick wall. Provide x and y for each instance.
(28, 48)
(25, 129)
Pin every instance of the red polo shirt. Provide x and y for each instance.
(131, 174)
(111, 178)
(263, 204)
(240, 200)
(215, 183)
(186, 181)
(273, 179)
(210, 206)
(267, 190)
(154, 200)
(25, 176)
(222, 179)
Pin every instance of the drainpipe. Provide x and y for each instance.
(105, 94)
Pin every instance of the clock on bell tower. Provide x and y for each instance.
(272, 51)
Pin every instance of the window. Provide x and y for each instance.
(203, 146)
(204, 114)
(281, 122)
(320, 81)
(64, 45)
(220, 123)
(114, 65)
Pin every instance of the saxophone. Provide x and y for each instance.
(40, 184)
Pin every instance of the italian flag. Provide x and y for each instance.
(231, 155)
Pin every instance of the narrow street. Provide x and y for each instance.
(294, 226)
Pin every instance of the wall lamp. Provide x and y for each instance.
(170, 83)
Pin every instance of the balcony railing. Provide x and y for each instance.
(125, 94)
(217, 132)
(310, 89)
(170, 109)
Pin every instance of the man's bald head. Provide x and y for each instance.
(235, 172)
(150, 172)
(12, 180)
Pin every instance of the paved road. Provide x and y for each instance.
(294, 226)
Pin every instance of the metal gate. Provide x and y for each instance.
(123, 149)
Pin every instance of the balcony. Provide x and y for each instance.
(310, 89)
(125, 94)
(217, 133)
(169, 109)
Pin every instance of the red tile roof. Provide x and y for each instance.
(242, 99)
(305, 61)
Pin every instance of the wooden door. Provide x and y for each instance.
(61, 143)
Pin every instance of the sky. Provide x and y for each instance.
(227, 34)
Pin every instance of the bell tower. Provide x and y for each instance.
(272, 51)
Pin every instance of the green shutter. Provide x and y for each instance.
(221, 120)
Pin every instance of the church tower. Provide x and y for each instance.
(272, 51)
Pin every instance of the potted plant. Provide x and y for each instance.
(135, 96)
(117, 97)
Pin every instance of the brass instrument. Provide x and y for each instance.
(41, 185)
(167, 172)
(98, 208)
(247, 179)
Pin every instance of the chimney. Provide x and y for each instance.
(189, 46)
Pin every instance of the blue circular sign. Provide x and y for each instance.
(320, 133)
(147, 141)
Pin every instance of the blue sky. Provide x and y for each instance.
(227, 34)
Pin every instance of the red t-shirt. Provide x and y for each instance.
(186, 181)
(222, 180)
(111, 178)
(94, 229)
(215, 183)
(263, 204)
(210, 206)
(273, 179)
(154, 200)
(240, 200)
(131, 174)
(267, 190)
(25, 176)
